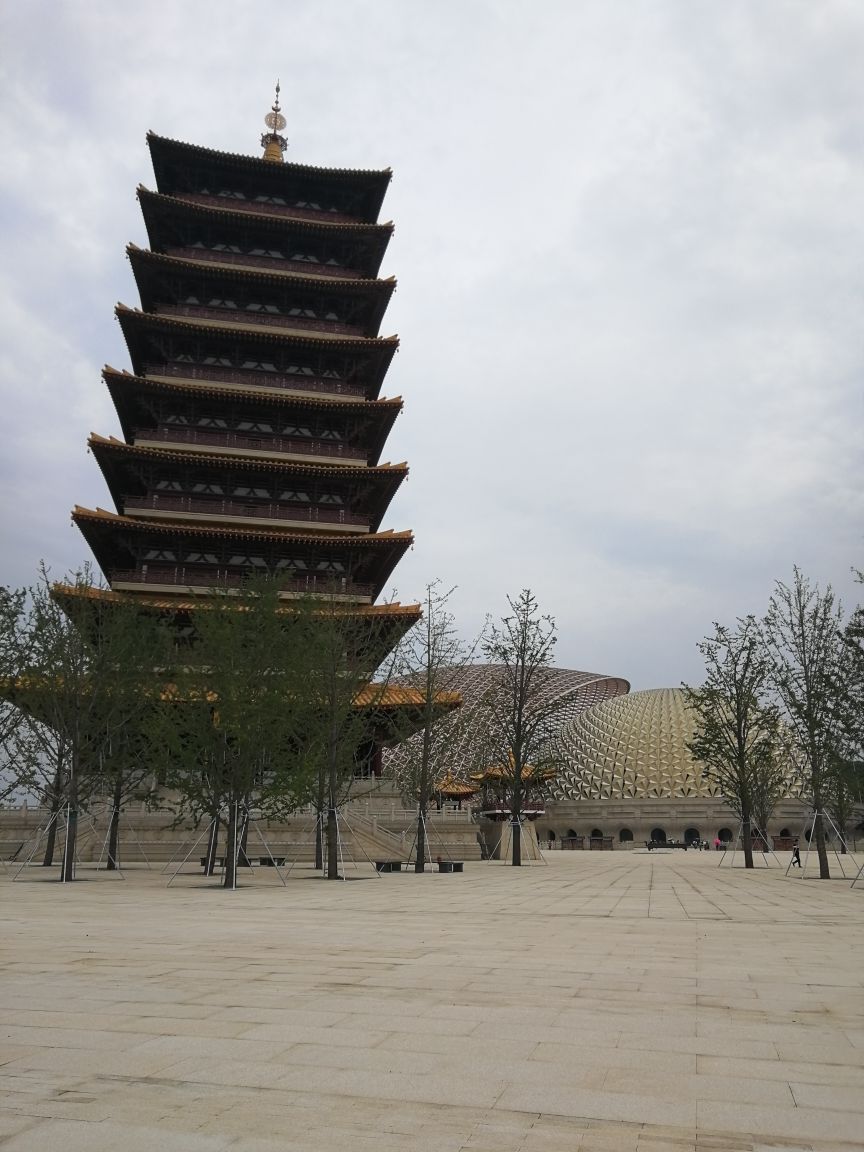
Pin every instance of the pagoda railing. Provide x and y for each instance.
(242, 440)
(292, 383)
(279, 263)
(229, 316)
(304, 513)
(196, 577)
(266, 207)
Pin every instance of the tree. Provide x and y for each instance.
(13, 658)
(811, 676)
(90, 663)
(346, 714)
(518, 711)
(737, 731)
(228, 729)
(430, 659)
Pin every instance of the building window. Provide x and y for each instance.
(725, 835)
(658, 835)
(625, 836)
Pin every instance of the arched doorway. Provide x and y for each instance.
(625, 836)
(725, 835)
(785, 832)
(691, 836)
(596, 834)
(550, 836)
(658, 835)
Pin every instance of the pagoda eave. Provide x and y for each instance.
(371, 184)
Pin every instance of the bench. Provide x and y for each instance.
(388, 865)
(270, 861)
(652, 844)
(600, 843)
(450, 865)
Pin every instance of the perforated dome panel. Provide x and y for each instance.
(632, 746)
(578, 691)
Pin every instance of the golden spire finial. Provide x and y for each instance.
(272, 143)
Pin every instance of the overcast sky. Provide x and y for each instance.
(629, 246)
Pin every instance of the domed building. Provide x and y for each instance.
(576, 691)
(629, 775)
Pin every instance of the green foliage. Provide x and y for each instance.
(737, 730)
(519, 711)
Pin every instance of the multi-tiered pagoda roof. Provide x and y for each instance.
(253, 422)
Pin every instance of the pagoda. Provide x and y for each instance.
(253, 421)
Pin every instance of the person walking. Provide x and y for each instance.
(796, 856)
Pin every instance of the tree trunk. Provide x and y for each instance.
(821, 847)
(747, 838)
(516, 837)
(332, 846)
(114, 827)
(212, 845)
(420, 861)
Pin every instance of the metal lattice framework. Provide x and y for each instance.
(635, 747)
(578, 692)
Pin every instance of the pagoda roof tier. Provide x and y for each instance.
(356, 250)
(153, 339)
(136, 396)
(367, 491)
(184, 167)
(117, 542)
(359, 305)
(388, 622)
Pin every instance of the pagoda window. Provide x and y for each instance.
(330, 316)
(294, 430)
(191, 300)
(217, 303)
(160, 554)
(298, 370)
(208, 488)
(226, 192)
(331, 374)
(293, 497)
(200, 558)
(245, 490)
(286, 562)
(221, 360)
(330, 498)
(304, 258)
(211, 422)
(334, 261)
(223, 247)
(260, 365)
(176, 418)
(302, 312)
(330, 566)
(184, 358)
(329, 434)
(270, 200)
(169, 486)
(254, 426)
(246, 561)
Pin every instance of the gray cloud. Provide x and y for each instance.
(629, 249)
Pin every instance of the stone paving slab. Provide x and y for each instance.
(604, 1001)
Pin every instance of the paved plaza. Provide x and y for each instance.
(618, 1001)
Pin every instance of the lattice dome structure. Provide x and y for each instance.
(578, 692)
(633, 746)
